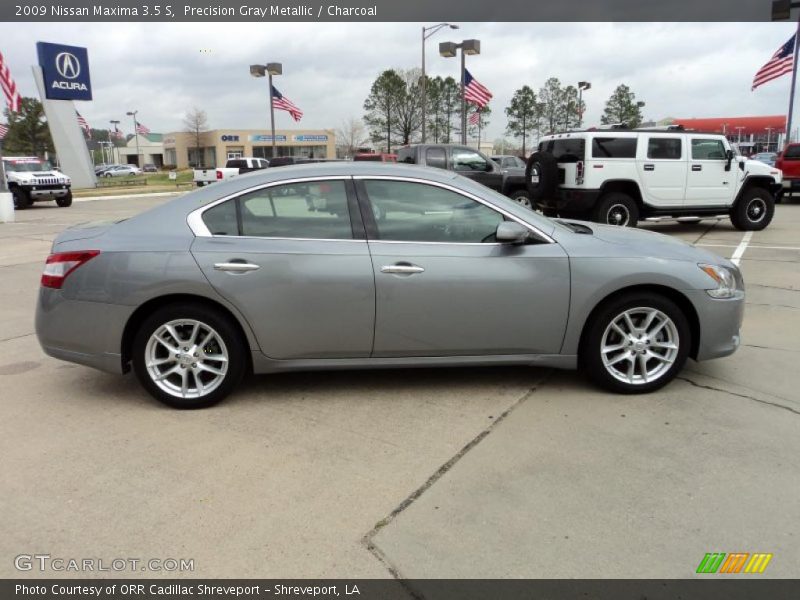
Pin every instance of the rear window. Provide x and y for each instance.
(236, 164)
(405, 155)
(793, 151)
(567, 150)
(436, 157)
(614, 147)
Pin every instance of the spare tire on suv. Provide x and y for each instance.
(541, 175)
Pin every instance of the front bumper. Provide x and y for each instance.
(720, 323)
(46, 192)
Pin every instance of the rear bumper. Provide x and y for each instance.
(87, 333)
(571, 200)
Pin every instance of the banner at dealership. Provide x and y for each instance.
(65, 70)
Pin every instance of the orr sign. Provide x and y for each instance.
(65, 70)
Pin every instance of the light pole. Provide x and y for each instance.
(269, 70)
(114, 158)
(769, 135)
(132, 113)
(739, 133)
(426, 33)
(582, 85)
(782, 11)
(449, 50)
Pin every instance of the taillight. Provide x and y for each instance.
(59, 266)
(579, 173)
(219, 174)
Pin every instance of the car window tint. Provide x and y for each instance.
(665, 148)
(221, 219)
(436, 157)
(707, 149)
(567, 150)
(316, 209)
(468, 160)
(792, 152)
(416, 212)
(614, 147)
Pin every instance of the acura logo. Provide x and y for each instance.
(68, 65)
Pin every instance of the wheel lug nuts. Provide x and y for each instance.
(194, 365)
(195, 354)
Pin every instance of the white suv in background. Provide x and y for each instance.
(619, 176)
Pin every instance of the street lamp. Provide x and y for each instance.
(269, 70)
(449, 50)
(739, 133)
(582, 85)
(426, 33)
(115, 123)
(132, 113)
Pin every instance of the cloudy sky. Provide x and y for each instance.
(161, 70)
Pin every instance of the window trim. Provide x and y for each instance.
(195, 218)
(371, 230)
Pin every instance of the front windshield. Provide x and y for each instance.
(26, 165)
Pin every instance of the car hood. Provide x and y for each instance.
(614, 241)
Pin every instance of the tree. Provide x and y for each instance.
(443, 108)
(28, 132)
(622, 107)
(551, 98)
(196, 124)
(351, 136)
(523, 114)
(381, 106)
(409, 106)
(573, 111)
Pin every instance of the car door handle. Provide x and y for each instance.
(236, 267)
(406, 269)
(649, 167)
(697, 167)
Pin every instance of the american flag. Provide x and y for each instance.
(3, 131)
(141, 129)
(13, 98)
(780, 64)
(475, 117)
(474, 91)
(84, 124)
(281, 102)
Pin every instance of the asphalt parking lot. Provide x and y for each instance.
(494, 472)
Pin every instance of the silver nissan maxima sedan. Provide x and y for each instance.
(364, 265)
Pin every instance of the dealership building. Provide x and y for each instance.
(219, 145)
(753, 134)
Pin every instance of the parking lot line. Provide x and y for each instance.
(750, 247)
(739, 252)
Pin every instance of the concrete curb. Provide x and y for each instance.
(149, 195)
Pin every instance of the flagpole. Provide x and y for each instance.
(479, 129)
(794, 80)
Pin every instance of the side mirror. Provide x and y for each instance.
(511, 232)
(491, 166)
(729, 158)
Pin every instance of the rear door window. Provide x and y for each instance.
(614, 147)
(664, 148)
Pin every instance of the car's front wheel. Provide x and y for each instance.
(22, 199)
(636, 343)
(522, 197)
(754, 210)
(65, 201)
(189, 355)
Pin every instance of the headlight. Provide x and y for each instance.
(723, 277)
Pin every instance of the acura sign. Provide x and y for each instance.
(65, 70)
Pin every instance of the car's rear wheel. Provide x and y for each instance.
(636, 343)
(616, 208)
(188, 355)
(65, 201)
(754, 210)
(22, 199)
(522, 197)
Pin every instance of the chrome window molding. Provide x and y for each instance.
(539, 233)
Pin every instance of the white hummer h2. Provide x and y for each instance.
(31, 179)
(619, 176)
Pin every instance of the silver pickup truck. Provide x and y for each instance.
(234, 167)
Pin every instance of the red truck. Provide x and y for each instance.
(788, 161)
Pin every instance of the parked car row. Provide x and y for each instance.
(117, 170)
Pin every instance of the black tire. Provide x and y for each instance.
(65, 201)
(210, 318)
(522, 197)
(754, 209)
(591, 356)
(545, 166)
(616, 208)
(779, 197)
(22, 199)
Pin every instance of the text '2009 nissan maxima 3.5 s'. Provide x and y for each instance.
(359, 265)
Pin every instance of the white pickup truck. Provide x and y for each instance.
(234, 167)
